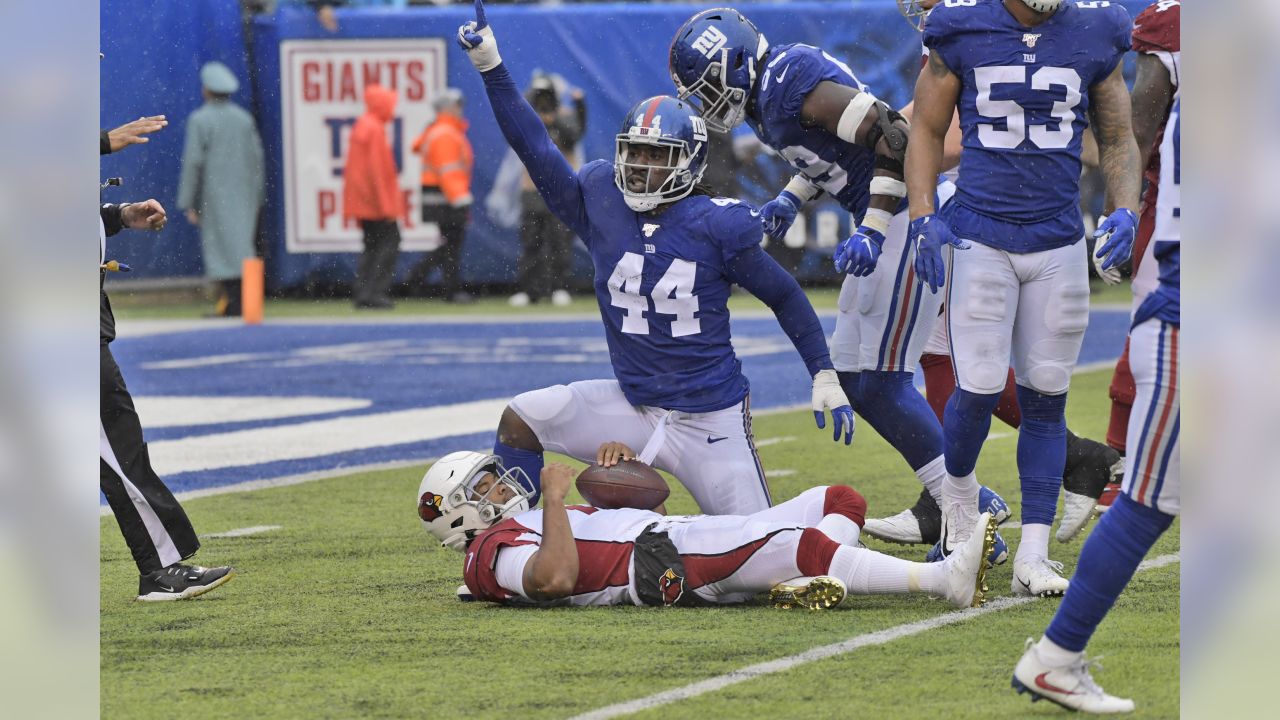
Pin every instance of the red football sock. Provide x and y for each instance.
(844, 500)
(814, 552)
(1008, 409)
(939, 381)
(1122, 391)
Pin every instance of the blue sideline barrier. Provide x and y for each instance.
(615, 52)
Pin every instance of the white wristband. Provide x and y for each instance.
(877, 220)
(802, 187)
(881, 185)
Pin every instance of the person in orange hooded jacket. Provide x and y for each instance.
(371, 196)
(446, 193)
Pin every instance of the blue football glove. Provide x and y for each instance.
(827, 395)
(777, 215)
(858, 254)
(476, 37)
(1116, 235)
(929, 235)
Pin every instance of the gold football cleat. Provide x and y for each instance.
(811, 593)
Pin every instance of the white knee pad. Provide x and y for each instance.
(545, 405)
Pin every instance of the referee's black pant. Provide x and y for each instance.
(153, 523)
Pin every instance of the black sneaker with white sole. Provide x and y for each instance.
(1089, 466)
(179, 582)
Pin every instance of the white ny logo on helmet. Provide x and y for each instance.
(710, 41)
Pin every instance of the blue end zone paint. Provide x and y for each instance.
(402, 366)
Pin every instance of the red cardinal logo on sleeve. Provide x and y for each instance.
(429, 507)
(672, 587)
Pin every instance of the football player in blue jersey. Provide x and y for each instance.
(1091, 465)
(1055, 668)
(1028, 77)
(665, 258)
(842, 140)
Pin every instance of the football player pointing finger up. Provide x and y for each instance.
(665, 255)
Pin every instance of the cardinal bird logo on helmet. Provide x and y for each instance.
(429, 507)
(672, 587)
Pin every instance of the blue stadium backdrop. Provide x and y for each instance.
(615, 52)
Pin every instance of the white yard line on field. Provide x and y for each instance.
(241, 532)
(323, 437)
(880, 637)
(774, 441)
(249, 485)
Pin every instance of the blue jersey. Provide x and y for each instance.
(1165, 303)
(662, 281)
(662, 278)
(1024, 104)
(840, 168)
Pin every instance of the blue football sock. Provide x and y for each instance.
(891, 404)
(1042, 453)
(1108, 560)
(527, 460)
(965, 424)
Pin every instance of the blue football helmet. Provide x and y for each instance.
(715, 57)
(660, 154)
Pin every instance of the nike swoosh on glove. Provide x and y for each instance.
(476, 38)
(858, 254)
(1118, 231)
(929, 234)
(827, 395)
(778, 214)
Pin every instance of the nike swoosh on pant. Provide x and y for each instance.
(712, 441)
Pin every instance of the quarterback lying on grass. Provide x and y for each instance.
(803, 551)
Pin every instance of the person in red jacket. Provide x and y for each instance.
(371, 195)
(446, 193)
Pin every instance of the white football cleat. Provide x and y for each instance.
(1038, 576)
(1076, 511)
(966, 568)
(903, 528)
(958, 522)
(812, 593)
(1072, 686)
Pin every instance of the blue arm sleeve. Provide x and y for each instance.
(551, 173)
(763, 277)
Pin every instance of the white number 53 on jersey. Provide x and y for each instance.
(1015, 117)
(672, 295)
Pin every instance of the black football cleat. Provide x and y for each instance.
(179, 582)
(1090, 465)
(921, 523)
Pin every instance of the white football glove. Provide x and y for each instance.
(827, 395)
(476, 37)
(1110, 276)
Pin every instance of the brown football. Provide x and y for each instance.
(629, 484)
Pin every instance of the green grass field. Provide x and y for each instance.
(349, 611)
